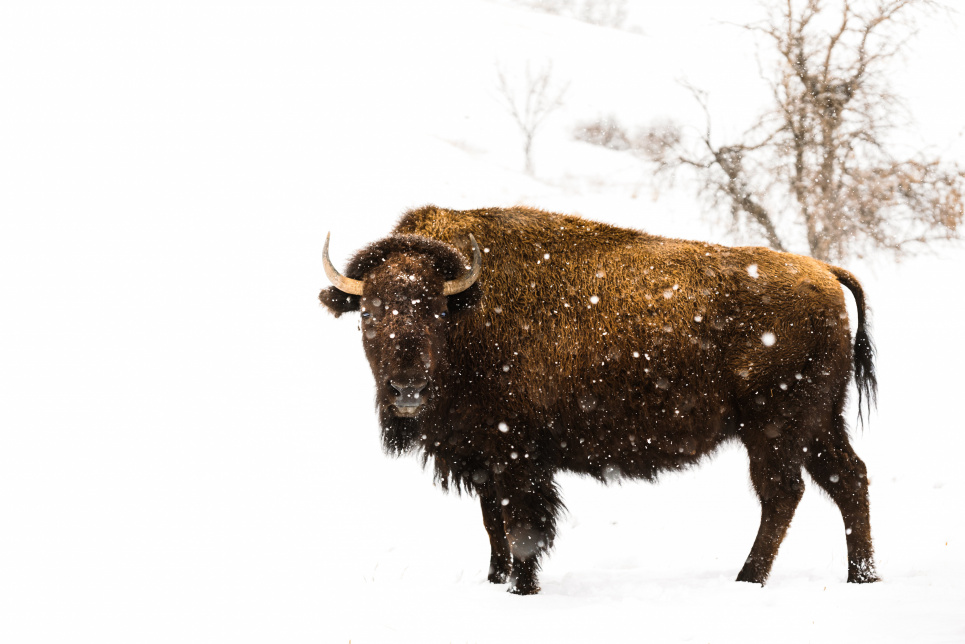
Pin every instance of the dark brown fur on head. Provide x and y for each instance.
(405, 322)
(445, 260)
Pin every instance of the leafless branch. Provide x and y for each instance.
(816, 171)
(530, 102)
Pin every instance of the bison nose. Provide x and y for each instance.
(409, 393)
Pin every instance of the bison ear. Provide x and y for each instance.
(465, 300)
(338, 302)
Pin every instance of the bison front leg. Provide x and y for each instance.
(530, 503)
(500, 560)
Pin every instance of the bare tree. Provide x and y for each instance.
(817, 170)
(530, 102)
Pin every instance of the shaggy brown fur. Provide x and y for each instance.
(610, 352)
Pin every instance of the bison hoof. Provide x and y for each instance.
(751, 577)
(864, 580)
(753, 573)
(862, 573)
(499, 570)
(498, 577)
(518, 589)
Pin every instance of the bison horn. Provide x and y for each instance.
(459, 285)
(339, 281)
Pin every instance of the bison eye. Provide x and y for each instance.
(443, 314)
(366, 314)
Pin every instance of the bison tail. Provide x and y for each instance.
(864, 349)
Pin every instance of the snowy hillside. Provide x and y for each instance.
(188, 446)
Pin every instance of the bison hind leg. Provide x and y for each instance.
(779, 490)
(835, 467)
(775, 451)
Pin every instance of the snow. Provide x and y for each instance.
(189, 451)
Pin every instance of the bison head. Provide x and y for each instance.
(408, 289)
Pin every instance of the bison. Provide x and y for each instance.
(568, 344)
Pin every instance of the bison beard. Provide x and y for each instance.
(610, 352)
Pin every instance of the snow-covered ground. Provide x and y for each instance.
(188, 449)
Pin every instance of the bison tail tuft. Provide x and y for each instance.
(864, 348)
